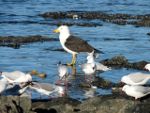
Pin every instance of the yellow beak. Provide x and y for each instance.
(56, 31)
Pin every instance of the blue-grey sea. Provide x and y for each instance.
(14, 17)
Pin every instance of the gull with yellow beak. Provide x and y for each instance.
(73, 44)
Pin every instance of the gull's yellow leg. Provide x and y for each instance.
(73, 61)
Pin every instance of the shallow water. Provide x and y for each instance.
(20, 18)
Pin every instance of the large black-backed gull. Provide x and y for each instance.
(73, 44)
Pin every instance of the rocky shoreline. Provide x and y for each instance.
(100, 104)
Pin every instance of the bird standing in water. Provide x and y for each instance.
(72, 44)
(62, 72)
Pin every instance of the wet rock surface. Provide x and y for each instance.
(100, 104)
(17, 41)
(14, 104)
(121, 19)
(101, 83)
(121, 61)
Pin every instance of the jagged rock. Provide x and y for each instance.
(100, 104)
(60, 105)
(121, 19)
(115, 103)
(15, 104)
(17, 41)
(101, 83)
(121, 61)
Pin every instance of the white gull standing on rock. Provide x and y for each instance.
(136, 91)
(16, 77)
(99, 66)
(137, 78)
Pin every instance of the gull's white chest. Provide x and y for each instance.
(63, 39)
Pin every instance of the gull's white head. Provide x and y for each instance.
(147, 67)
(90, 57)
(28, 77)
(62, 29)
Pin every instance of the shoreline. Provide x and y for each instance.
(99, 104)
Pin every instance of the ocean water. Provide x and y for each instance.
(20, 18)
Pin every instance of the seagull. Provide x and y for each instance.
(136, 91)
(147, 67)
(137, 78)
(43, 88)
(16, 77)
(73, 44)
(62, 72)
(88, 68)
(99, 66)
(3, 85)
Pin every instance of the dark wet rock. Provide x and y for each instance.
(59, 105)
(121, 19)
(14, 104)
(101, 83)
(85, 85)
(100, 104)
(113, 103)
(143, 22)
(121, 61)
(17, 41)
(12, 45)
(86, 15)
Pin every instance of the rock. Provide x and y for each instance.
(101, 83)
(121, 19)
(60, 105)
(35, 72)
(105, 105)
(121, 61)
(17, 41)
(15, 104)
(143, 22)
(100, 104)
